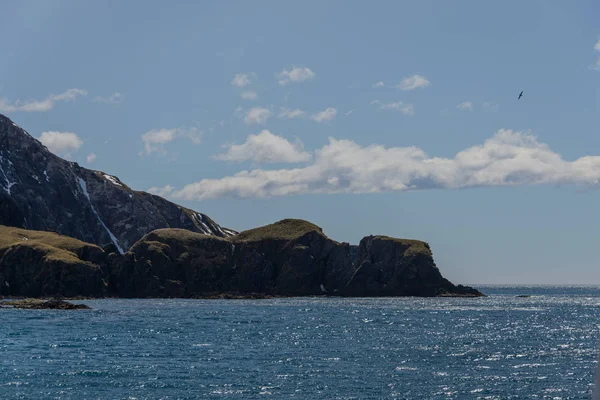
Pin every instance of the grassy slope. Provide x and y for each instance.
(414, 246)
(287, 229)
(56, 247)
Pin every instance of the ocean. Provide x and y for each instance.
(499, 347)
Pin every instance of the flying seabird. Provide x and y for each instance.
(520, 95)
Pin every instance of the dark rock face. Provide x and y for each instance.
(395, 267)
(288, 258)
(39, 190)
(28, 271)
(39, 264)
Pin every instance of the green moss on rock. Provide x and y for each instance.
(414, 247)
(287, 229)
(56, 247)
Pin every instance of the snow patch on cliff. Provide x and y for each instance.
(112, 180)
(9, 184)
(229, 232)
(198, 218)
(83, 187)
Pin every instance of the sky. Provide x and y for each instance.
(392, 118)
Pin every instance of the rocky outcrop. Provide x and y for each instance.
(39, 264)
(41, 191)
(288, 258)
(38, 304)
(398, 267)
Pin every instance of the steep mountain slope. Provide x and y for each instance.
(39, 190)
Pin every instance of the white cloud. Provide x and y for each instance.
(243, 79)
(413, 82)
(114, 98)
(490, 107)
(41, 105)
(406, 109)
(266, 148)
(156, 139)
(326, 115)
(291, 114)
(295, 74)
(465, 106)
(61, 143)
(91, 158)
(249, 95)
(508, 158)
(257, 115)
(161, 191)
(379, 84)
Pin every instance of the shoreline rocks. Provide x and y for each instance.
(40, 304)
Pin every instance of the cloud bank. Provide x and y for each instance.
(508, 158)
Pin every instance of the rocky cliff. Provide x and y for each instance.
(288, 258)
(39, 190)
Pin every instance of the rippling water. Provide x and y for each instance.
(499, 347)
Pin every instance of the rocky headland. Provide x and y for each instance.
(70, 231)
(288, 258)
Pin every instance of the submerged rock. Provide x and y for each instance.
(38, 304)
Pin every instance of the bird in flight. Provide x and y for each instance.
(520, 95)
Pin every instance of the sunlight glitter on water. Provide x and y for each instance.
(543, 346)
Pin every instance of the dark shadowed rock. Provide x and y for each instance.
(37, 264)
(38, 304)
(176, 263)
(288, 258)
(41, 191)
(398, 267)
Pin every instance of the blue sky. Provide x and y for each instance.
(503, 189)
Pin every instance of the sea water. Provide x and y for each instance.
(499, 347)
